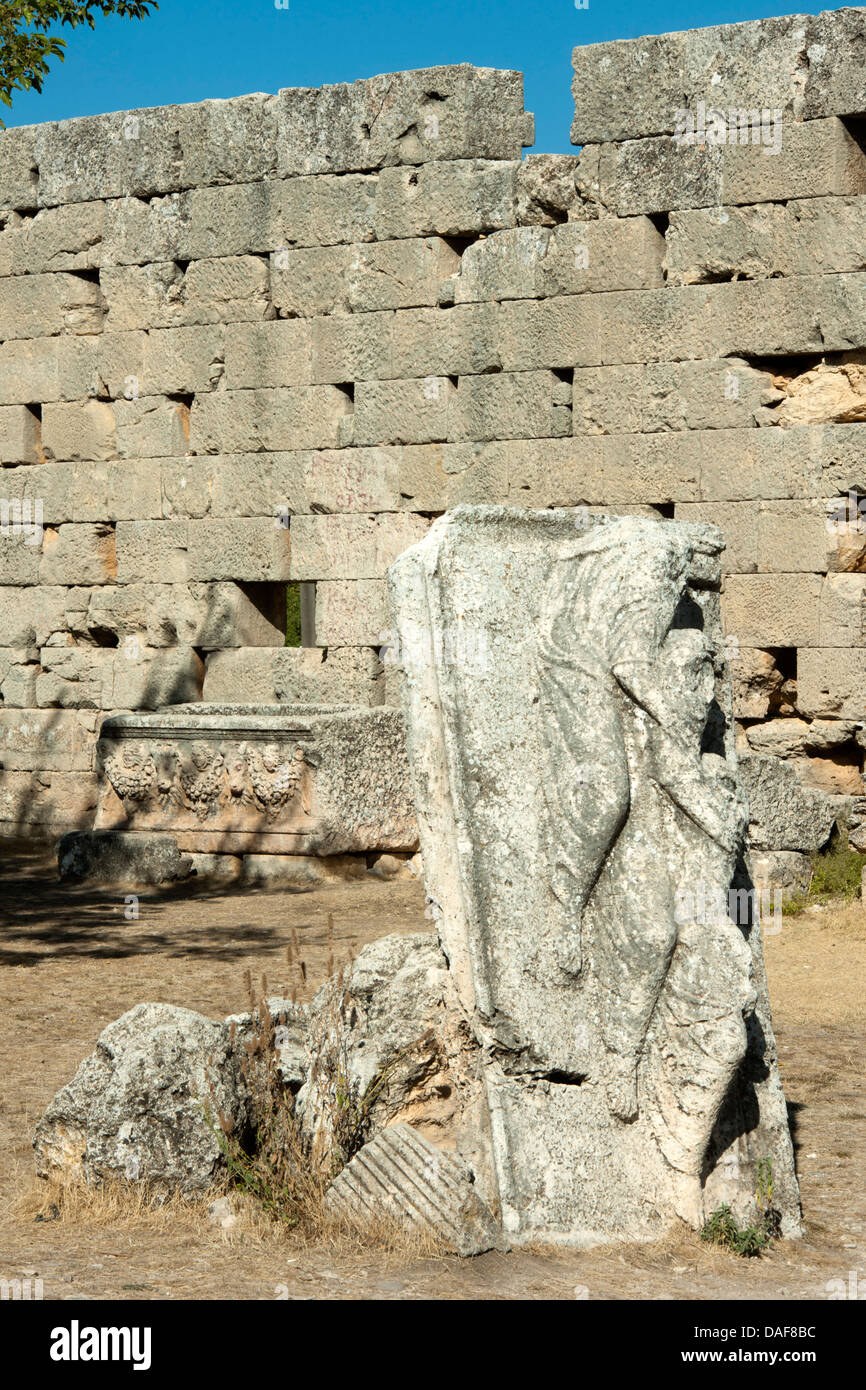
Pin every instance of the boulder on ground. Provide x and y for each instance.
(126, 858)
(145, 1105)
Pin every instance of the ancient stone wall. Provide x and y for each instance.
(252, 342)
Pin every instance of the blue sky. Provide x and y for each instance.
(192, 49)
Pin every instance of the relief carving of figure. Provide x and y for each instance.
(641, 800)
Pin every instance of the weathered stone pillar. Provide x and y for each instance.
(582, 828)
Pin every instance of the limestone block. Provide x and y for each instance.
(36, 740)
(463, 341)
(327, 210)
(95, 491)
(772, 610)
(831, 683)
(780, 871)
(151, 551)
(842, 614)
(800, 237)
(354, 348)
(304, 675)
(738, 522)
(78, 554)
(756, 682)
(36, 306)
(231, 221)
(46, 369)
(719, 394)
(245, 548)
(440, 113)
(125, 861)
(165, 295)
(446, 199)
(805, 65)
(76, 678)
(351, 547)
(828, 392)
(20, 435)
(387, 479)
(816, 159)
(533, 262)
(519, 405)
(118, 367)
(79, 430)
(351, 613)
(399, 274)
(43, 803)
(100, 1125)
(797, 537)
(68, 238)
(180, 361)
(302, 417)
(784, 815)
(146, 678)
(757, 463)
(786, 738)
(139, 231)
(310, 281)
(590, 1104)
(256, 484)
(401, 1177)
(19, 667)
(205, 616)
(546, 188)
(29, 617)
(417, 411)
(277, 353)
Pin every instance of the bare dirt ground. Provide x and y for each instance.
(70, 962)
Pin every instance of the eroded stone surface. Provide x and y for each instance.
(577, 794)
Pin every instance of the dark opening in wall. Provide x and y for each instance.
(91, 276)
(104, 637)
(666, 510)
(661, 221)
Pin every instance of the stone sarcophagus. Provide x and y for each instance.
(582, 828)
(278, 779)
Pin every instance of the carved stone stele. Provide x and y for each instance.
(582, 827)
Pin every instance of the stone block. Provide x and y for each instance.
(80, 430)
(506, 405)
(446, 199)
(416, 411)
(398, 274)
(352, 348)
(46, 369)
(277, 353)
(351, 547)
(812, 159)
(302, 417)
(783, 814)
(41, 741)
(431, 114)
(151, 551)
(800, 237)
(302, 675)
(842, 615)
(351, 613)
(772, 610)
(573, 258)
(30, 617)
(738, 522)
(65, 239)
(633, 398)
(19, 667)
(803, 65)
(46, 803)
(78, 554)
(327, 210)
(244, 548)
(20, 435)
(37, 306)
(310, 281)
(831, 683)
